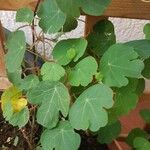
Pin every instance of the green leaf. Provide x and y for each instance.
(137, 132)
(94, 7)
(52, 98)
(15, 77)
(146, 71)
(61, 137)
(83, 72)
(61, 49)
(71, 9)
(141, 47)
(24, 15)
(7, 110)
(146, 31)
(108, 133)
(124, 103)
(88, 111)
(29, 82)
(16, 49)
(20, 119)
(101, 38)
(145, 114)
(141, 144)
(52, 71)
(70, 24)
(51, 17)
(118, 63)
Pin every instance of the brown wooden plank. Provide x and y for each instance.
(118, 8)
(136, 9)
(16, 4)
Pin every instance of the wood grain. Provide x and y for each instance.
(118, 8)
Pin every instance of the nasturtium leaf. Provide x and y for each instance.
(16, 48)
(124, 103)
(7, 110)
(142, 47)
(15, 77)
(29, 82)
(141, 144)
(101, 38)
(52, 98)
(137, 132)
(51, 17)
(110, 132)
(60, 51)
(24, 15)
(146, 31)
(83, 72)
(125, 100)
(94, 7)
(21, 118)
(146, 71)
(70, 24)
(52, 71)
(90, 106)
(61, 137)
(145, 114)
(69, 7)
(118, 63)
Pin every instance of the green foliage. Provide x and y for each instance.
(52, 98)
(16, 46)
(29, 82)
(74, 46)
(51, 17)
(101, 38)
(20, 119)
(25, 15)
(146, 31)
(146, 71)
(84, 87)
(141, 47)
(137, 132)
(125, 99)
(63, 134)
(141, 144)
(90, 107)
(145, 114)
(110, 132)
(83, 72)
(52, 71)
(95, 8)
(118, 63)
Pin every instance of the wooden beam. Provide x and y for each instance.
(136, 9)
(16, 4)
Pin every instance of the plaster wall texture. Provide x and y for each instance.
(126, 29)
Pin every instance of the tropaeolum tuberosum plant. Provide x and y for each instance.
(88, 85)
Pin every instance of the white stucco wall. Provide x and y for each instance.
(126, 29)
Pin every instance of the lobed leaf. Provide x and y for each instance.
(90, 106)
(52, 71)
(16, 49)
(83, 72)
(52, 98)
(118, 63)
(61, 49)
(61, 137)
